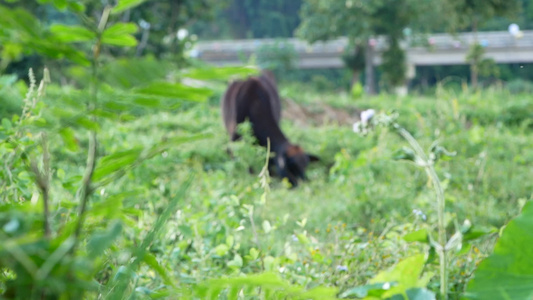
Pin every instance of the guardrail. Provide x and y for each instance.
(436, 49)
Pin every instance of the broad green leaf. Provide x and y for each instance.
(60, 4)
(125, 5)
(221, 249)
(100, 241)
(186, 231)
(76, 6)
(151, 261)
(115, 162)
(236, 263)
(475, 232)
(175, 90)
(148, 102)
(406, 274)
(87, 123)
(417, 236)
(120, 34)
(508, 272)
(68, 137)
(71, 33)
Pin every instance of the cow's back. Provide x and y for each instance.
(229, 108)
(268, 81)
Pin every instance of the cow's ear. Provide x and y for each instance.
(312, 157)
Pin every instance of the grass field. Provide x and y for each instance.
(359, 201)
(339, 229)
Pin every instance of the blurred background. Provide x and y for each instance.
(386, 45)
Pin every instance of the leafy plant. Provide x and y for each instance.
(507, 272)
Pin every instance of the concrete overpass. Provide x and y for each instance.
(436, 49)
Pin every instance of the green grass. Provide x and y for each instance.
(368, 194)
(353, 211)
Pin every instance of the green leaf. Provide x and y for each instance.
(87, 123)
(221, 249)
(60, 4)
(508, 272)
(76, 6)
(236, 263)
(120, 34)
(125, 5)
(100, 241)
(115, 162)
(71, 33)
(151, 261)
(186, 231)
(254, 254)
(6, 124)
(404, 153)
(475, 232)
(417, 236)
(68, 137)
(175, 90)
(375, 289)
(406, 273)
(148, 102)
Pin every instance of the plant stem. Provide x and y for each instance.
(86, 190)
(441, 204)
(46, 186)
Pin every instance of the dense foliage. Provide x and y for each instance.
(115, 182)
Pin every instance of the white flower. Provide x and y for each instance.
(386, 286)
(366, 115)
(342, 268)
(357, 127)
(144, 25)
(294, 238)
(419, 213)
(182, 34)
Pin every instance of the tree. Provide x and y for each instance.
(253, 19)
(471, 14)
(360, 21)
(323, 20)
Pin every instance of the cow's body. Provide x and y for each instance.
(256, 99)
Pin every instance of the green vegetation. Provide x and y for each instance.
(115, 182)
(361, 216)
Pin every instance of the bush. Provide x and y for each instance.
(520, 86)
(278, 57)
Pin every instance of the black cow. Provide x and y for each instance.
(256, 99)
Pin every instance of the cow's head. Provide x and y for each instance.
(291, 163)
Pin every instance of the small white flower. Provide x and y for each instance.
(386, 285)
(342, 268)
(357, 127)
(182, 34)
(144, 25)
(419, 213)
(294, 238)
(366, 115)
